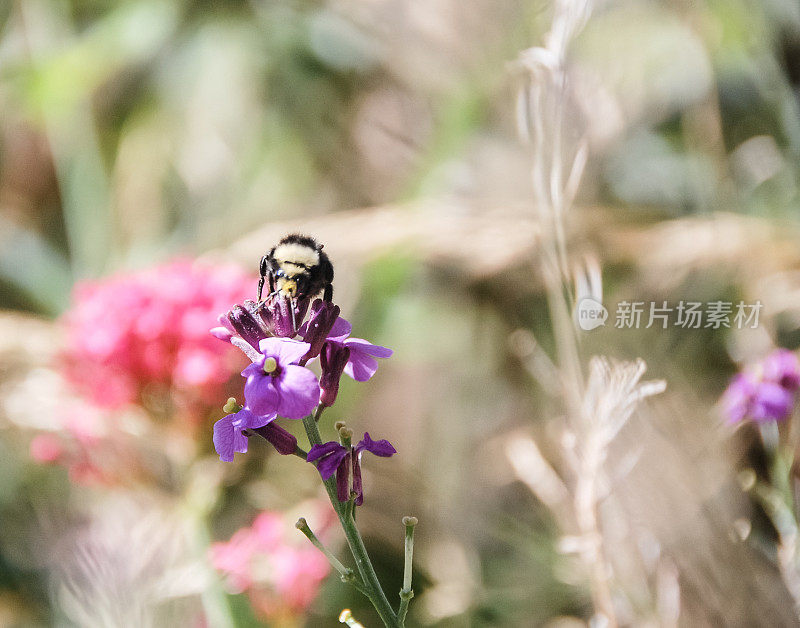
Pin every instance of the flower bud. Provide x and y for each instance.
(284, 442)
(246, 325)
(319, 325)
(333, 358)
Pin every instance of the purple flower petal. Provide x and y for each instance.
(330, 456)
(280, 314)
(378, 447)
(341, 329)
(771, 402)
(284, 350)
(256, 369)
(221, 333)
(737, 397)
(299, 392)
(222, 319)
(260, 392)
(361, 367)
(228, 439)
(257, 421)
(328, 465)
(364, 346)
(318, 451)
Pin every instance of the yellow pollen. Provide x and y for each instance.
(270, 365)
(289, 288)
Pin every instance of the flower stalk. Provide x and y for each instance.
(371, 584)
(406, 593)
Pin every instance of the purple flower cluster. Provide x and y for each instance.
(332, 457)
(765, 391)
(279, 384)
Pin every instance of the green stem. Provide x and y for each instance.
(369, 578)
(405, 600)
(406, 593)
(302, 525)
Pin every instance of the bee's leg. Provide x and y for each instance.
(262, 271)
(328, 294)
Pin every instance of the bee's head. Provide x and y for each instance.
(293, 286)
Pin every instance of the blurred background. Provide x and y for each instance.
(152, 150)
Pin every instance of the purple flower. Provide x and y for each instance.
(361, 364)
(341, 354)
(228, 437)
(333, 458)
(276, 384)
(765, 392)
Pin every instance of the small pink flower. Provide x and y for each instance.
(46, 448)
(273, 564)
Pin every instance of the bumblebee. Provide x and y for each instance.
(296, 268)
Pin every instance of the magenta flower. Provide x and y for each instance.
(765, 392)
(133, 333)
(333, 458)
(277, 384)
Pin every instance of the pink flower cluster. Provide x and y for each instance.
(145, 333)
(273, 564)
